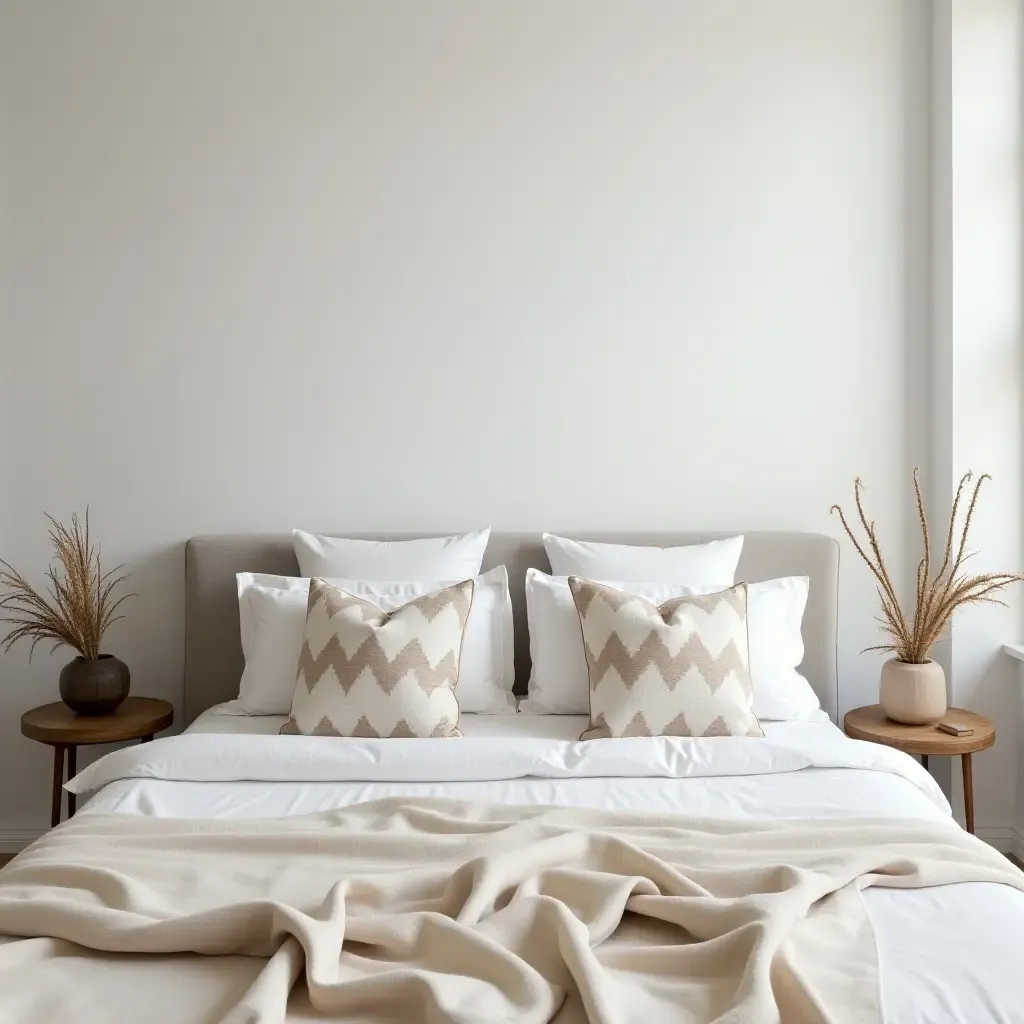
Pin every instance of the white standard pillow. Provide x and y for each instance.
(431, 558)
(691, 565)
(560, 683)
(272, 619)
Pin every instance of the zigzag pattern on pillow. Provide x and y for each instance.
(678, 670)
(364, 672)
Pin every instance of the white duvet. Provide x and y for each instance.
(949, 954)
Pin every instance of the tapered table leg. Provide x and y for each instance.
(72, 772)
(965, 761)
(58, 781)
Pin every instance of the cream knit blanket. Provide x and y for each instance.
(436, 910)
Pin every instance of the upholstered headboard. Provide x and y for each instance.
(213, 653)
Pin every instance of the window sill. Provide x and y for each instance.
(1014, 651)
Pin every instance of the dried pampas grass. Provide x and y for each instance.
(80, 605)
(938, 596)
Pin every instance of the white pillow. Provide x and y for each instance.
(691, 565)
(272, 619)
(559, 682)
(432, 558)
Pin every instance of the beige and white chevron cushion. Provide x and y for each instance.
(365, 672)
(676, 670)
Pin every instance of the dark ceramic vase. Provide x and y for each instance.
(94, 687)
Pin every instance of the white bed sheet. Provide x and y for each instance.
(836, 792)
(950, 954)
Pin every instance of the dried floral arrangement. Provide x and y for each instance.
(80, 606)
(937, 596)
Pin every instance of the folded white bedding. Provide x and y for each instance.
(512, 759)
(199, 757)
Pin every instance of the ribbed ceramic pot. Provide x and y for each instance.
(94, 686)
(912, 694)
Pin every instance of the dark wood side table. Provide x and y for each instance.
(138, 718)
(870, 723)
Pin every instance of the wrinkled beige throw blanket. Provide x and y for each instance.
(432, 910)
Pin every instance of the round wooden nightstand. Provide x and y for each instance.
(870, 723)
(138, 718)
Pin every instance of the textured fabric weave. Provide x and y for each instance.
(364, 672)
(681, 669)
(438, 910)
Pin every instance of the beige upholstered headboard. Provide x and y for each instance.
(213, 653)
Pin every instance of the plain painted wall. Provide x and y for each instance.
(562, 264)
(986, 378)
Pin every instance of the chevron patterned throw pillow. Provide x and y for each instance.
(678, 670)
(365, 672)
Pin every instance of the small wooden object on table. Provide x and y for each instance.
(870, 723)
(137, 718)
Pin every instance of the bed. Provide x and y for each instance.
(945, 952)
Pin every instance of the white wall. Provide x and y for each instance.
(985, 379)
(8, 718)
(555, 264)
(6, 254)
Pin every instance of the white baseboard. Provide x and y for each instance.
(14, 840)
(1006, 839)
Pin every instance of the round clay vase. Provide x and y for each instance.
(94, 687)
(912, 694)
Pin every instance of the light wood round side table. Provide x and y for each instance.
(138, 718)
(870, 723)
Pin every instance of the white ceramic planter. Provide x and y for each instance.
(912, 694)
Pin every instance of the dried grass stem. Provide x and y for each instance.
(79, 606)
(936, 597)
